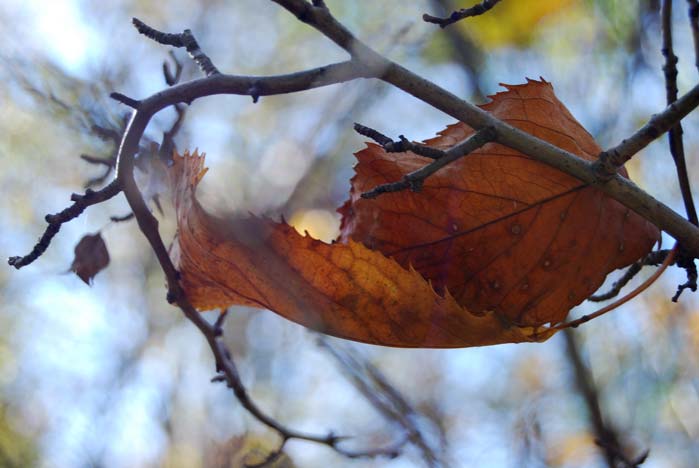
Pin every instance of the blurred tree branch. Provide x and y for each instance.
(606, 436)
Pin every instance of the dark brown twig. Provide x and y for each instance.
(676, 142)
(132, 103)
(80, 202)
(109, 162)
(476, 10)
(415, 179)
(654, 258)
(122, 218)
(184, 39)
(400, 146)
(675, 133)
(170, 78)
(687, 263)
(694, 24)
(608, 308)
(106, 134)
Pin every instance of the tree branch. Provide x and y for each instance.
(616, 186)
(694, 23)
(80, 202)
(400, 146)
(416, 179)
(185, 39)
(653, 258)
(606, 436)
(608, 308)
(675, 133)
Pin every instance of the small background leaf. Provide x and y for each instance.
(91, 257)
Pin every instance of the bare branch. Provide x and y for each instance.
(170, 78)
(216, 84)
(185, 39)
(132, 103)
(400, 146)
(602, 173)
(675, 133)
(653, 258)
(80, 202)
(687, 263)
(694, 23)
(476, 10)
(415, 179)
(608, 308)
(122, 218)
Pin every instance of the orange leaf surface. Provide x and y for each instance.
(501, 231)
(494, 247)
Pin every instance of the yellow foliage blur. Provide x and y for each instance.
(515, 23)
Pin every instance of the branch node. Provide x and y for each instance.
(254, 92)
(218, 378)
(607, 165)
(218, 326)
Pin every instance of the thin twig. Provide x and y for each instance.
(676, 140)
(121, 218)
(170, 78)
(185, 39)
(132, 103)
(414, 180)
(586, 318)
(80, 202)
(109, 162)
(654, 258)
(694, 23)
(687, 263)
(106, 134)
(400, 146)
(475, 10)
(675, 133)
